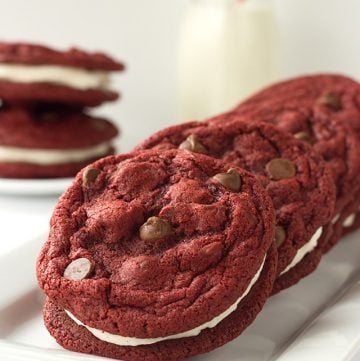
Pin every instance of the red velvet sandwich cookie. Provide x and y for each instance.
(297, 179)
(30, 72)
(321, 110)
(157, 256)
(41, 143)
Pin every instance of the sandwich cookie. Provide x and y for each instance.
(157, 255)
(41, 143)
(297, 179)
(31, 73)
(324, 111)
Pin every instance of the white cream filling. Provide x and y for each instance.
(55, 74)
(349, 220)
(133, 341)
(335, 219)
(304, 250)
(51, 156)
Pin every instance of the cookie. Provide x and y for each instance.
(297, 179)
(45, 141)
(34, 73)
(322, 110)
(157, 256)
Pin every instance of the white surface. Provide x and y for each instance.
(23, 218)
(54, 186)
(316, 320)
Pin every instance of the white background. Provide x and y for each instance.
(321, 35)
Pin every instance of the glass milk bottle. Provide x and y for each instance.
(227, 50)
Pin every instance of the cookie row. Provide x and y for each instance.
(44, 128)
(172, 250)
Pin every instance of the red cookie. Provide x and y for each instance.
(323, 110)
(32, 73)
(162, 255)
(297, 179)
(38, 142)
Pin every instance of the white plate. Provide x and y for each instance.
(318, 319)
(54, 186)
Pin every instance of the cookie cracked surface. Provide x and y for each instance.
(170, 248)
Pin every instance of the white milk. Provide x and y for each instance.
(227, 50)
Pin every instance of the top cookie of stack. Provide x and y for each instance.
(36, 81)
(30, 73)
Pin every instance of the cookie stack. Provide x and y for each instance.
(45, 130)
(172, 250)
